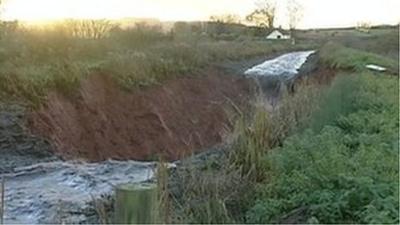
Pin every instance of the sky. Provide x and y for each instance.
(317, 13)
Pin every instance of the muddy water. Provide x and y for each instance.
(38, 194)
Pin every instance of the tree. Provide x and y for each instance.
(92, 29)
(295, 15)
(264, 14)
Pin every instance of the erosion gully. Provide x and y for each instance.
(40, 193)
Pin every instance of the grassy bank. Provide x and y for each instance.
(344, 169)
(36, 60)
(327, 154)
(339, 57)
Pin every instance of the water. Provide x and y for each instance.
(35, 194)
(284, 65)
(39, 193)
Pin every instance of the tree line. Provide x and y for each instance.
(264, 14)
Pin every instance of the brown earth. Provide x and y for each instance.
(180, 117)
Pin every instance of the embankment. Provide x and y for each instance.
(173, 120)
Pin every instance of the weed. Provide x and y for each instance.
(347, 171)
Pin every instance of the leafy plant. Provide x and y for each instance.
(347, 172)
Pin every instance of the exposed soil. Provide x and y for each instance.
(180, 117)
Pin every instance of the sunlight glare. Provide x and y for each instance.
(317, 13)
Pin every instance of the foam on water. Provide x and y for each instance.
(287, 64)
(34, 194)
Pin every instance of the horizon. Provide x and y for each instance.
(317, 14)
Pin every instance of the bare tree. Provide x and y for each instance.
(92, 29)
(295, 15)
(264, 14)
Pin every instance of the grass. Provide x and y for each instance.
(34, 61)
(343, 172)
(343, 168)
(222, 189)
(322, 156)
(210, 193)
(262, 129)
(339, 57)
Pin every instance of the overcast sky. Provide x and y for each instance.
(317, 13)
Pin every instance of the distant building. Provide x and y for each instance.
(276, 35)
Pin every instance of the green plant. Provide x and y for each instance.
(211, 192)
(34, 60)
(265, 127)
(339, 57)
(347, 172)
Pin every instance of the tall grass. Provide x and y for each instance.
(265, 127)
(36, 60)
(213, 193)
(221, 189)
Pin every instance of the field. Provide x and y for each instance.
(325, 151)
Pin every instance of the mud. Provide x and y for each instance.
(61, 192)
(173, 120)
(18, 147)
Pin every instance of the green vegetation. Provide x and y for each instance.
(345, 171)
(222, 189)
(316, 158)
(340, 57)
(34, 61)
(325, 155)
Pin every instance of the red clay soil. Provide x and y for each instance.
(178, 118)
